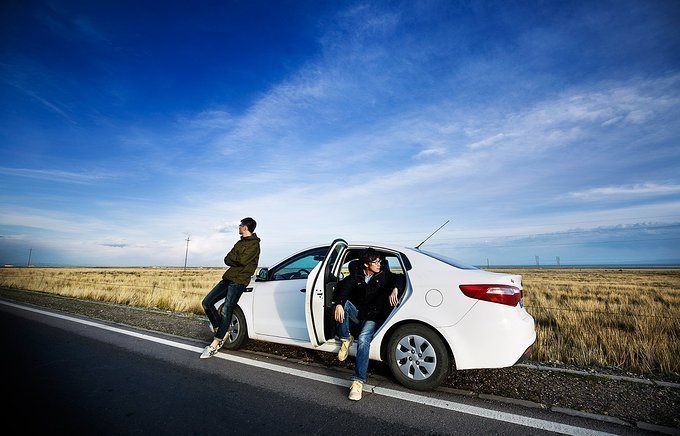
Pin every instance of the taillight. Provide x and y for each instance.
(503, 294)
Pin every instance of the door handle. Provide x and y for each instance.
(303, 290)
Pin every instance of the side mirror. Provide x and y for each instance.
(263, 274)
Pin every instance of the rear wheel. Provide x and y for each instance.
(238, 331)
(417, 357)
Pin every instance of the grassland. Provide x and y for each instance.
(624, 318)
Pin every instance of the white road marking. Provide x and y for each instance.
(392, 393)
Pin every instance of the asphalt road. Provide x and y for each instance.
(68, 374)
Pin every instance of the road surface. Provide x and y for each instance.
(70, 374)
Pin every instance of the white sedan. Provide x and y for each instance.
(449, 316)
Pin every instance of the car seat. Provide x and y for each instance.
(384, 265)
(354, 267)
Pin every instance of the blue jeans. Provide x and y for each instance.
(368, 329)
(231, 292)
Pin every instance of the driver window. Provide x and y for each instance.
(299, 267)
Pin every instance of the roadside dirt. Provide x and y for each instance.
(629, 401)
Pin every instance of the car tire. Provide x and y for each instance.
(417, 357)
(238, 330)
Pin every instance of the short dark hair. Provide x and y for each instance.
(368, 255)
(250, 223)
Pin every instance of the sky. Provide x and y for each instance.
(543, 131)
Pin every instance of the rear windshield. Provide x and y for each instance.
(453, 262)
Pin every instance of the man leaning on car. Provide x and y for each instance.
(242, 261)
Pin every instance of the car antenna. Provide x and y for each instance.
(418, 246)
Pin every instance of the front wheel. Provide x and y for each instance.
(418, 357)
(238, 331)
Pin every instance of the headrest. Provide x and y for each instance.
(354, 267)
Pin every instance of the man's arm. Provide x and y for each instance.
(339, 313)
(243, 255)
(232, 258)
(397, 284)
(342, 293)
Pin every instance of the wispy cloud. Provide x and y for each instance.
(79, 28)
(119, 245)
(428, 152)
(626, 191)
(230, 227)
(59, 175)
(34, 81)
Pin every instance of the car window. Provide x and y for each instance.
(453, 262)
(392, 261)
(394, 264)
(299, 267)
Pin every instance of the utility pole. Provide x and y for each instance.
(186, 253)
(30, 252)
(558, 261)
(487, 262)
(537, 264)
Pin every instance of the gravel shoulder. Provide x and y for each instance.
(628, 401)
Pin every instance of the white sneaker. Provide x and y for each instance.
(210, 351)
(355, 390)
(344, 348)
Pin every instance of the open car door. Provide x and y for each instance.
(320, 287)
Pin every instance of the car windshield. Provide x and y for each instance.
(453, 262)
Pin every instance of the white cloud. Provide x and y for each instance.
(230, 227)
(59, 175)
(625, 191)
(488, 141)
(428, 152)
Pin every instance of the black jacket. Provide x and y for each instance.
(372, 298)
(242, 260)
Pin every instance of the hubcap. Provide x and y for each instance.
(416, 357)
(234, 328)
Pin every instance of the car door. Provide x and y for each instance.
(279, 300)
(322, 277)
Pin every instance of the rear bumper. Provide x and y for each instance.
(491, 336)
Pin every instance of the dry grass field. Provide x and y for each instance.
(163, 288)
(624, 318)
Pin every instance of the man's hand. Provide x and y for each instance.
(394, 297)
(339, 313)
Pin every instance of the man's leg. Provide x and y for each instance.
(208, 303)
(351, 315)
(361, 364)
(234, 291)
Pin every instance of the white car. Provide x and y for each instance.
(449, 316)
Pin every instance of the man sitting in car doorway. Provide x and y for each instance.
(365, 297)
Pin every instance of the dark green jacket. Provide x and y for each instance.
(242, 260)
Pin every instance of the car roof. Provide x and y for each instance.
(389, 246)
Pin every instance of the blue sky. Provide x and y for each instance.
(544, 129)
